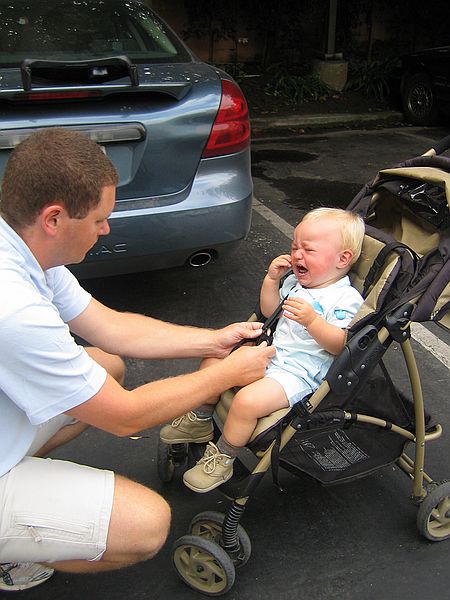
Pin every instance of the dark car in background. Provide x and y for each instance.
(176, 129)
(424, 85)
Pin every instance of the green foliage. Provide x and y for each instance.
(295, 89)
(371, 78)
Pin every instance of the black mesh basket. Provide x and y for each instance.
(348, 450)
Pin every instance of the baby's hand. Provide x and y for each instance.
(300, 311)
(279, 267)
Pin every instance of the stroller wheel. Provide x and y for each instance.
(169, 457)
(203, 565)
(433, 517)
(208, 525)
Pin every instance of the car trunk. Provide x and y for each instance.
(161, 114)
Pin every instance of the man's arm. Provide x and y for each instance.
(139, 336)
(124, 412)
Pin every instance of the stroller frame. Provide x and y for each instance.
(217, 544)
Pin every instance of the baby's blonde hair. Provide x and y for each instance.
(351, 226)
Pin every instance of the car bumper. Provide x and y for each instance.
(212, 217)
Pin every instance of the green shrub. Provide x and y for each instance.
(295, 89)
(371, 78)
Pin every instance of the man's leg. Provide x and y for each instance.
(140, 518)
(115, 366)
(76, 519)
(139, 526)
(112, 363)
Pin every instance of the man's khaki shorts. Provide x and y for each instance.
(52, 510)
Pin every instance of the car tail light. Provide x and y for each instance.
(231, 129)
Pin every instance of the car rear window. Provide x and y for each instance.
(84, 29)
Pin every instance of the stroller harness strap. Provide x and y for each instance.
(267, 334)
(268, 324)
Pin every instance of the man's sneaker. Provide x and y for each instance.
(213, 469)
(186, 429)
(21, 576)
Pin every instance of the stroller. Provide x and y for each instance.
(357, 421)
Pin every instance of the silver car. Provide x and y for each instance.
(176, 129)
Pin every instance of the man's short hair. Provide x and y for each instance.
(54, 165)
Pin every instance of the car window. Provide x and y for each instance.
(84, 29)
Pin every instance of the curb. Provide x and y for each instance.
(325, 120)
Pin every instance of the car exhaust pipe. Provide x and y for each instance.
(200, 259)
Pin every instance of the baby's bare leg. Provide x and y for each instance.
(250, 403)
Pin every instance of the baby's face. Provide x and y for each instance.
(317, 253)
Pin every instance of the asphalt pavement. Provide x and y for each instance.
(348, 542)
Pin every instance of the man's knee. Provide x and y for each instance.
(140, 522)
(119, 370)
(156, 525)
(112, 363)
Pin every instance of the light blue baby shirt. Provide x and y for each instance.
(296, 351)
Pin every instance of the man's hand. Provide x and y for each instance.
(249, 363)
(228, 337)
(300, 311)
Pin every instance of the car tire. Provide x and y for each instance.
(419, 100)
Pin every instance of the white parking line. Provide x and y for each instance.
(425, 338)
(273, 218)
(431, 342)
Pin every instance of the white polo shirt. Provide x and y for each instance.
(43, 372)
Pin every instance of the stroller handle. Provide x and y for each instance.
(439, 147)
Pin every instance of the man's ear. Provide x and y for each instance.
(50, 218)
(345, 258)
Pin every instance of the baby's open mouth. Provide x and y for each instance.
(301, 270)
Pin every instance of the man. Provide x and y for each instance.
(57, 194)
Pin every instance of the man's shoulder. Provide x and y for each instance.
(14, 285)
(61, 275)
